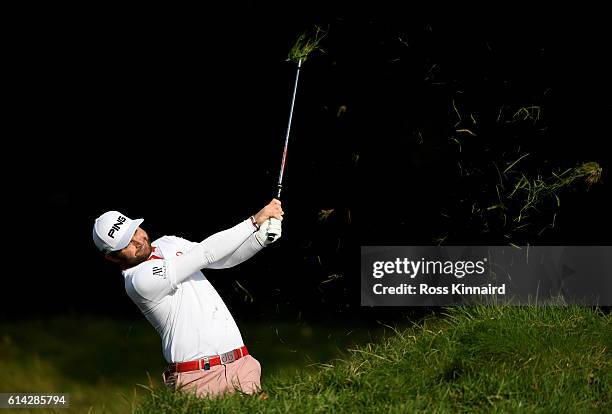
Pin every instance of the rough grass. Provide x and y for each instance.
(100, 362)
(481, 359)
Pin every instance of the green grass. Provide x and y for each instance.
(483, 359)
(97, 361)
(305, 44)
(101, 362)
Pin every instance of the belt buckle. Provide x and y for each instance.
(228, 357)
(206, 364)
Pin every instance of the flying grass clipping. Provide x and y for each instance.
(307, 43)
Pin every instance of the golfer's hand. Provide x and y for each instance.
(269, 232)
(273, 209)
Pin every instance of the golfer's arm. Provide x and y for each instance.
(208, 253)
(242, 254)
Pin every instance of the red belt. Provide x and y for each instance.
(207, 362)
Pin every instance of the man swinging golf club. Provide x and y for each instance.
(200, 339)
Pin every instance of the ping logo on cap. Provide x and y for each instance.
(120, 221)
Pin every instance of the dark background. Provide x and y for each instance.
(179, 117)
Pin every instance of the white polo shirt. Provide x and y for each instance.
(178, 300)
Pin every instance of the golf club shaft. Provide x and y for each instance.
(282, 168)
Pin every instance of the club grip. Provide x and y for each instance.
(271, 235)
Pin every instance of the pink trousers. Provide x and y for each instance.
(242, 375)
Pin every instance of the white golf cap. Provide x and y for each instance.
(113, 231)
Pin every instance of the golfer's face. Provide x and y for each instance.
(139, 248)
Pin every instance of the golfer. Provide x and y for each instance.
(200, 339)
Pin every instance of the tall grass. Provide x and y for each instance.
(481, 359)
(103, 364)
(97, 361)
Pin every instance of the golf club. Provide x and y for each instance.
(282, 168)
